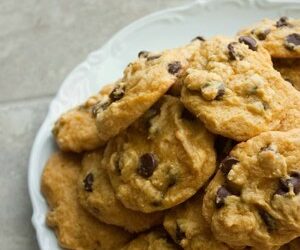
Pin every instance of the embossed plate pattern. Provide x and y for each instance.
(164, 29)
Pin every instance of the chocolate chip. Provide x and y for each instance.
(100, 106)
(283, 21)
(221, 92)
(117, 93)
(233, 55)
(227, 163)
(88, 182)
(174, 67)
(263, 34)
(187, 115)
(295, 182)
(150, 58)
(143, 53)
(251, 42)
(179, 235)
(223, 146)
(147, 165)
(270, 147)
(267, 219)
(221, 195)
(292, 182)
(200, 38)
(291, 41)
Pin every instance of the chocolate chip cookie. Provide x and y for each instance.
(97, 196)
(232, 87)
(162, 159)
(74, 227)
(188, 228)
(156, 239)
(76, 129)
(145, 81)
(289, 69)
(254, 199)
(280, 38)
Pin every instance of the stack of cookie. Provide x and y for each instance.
(196, 147)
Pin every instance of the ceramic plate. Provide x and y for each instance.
(164, 29)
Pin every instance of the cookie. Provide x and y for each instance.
(289, 69)
(280, 38)
(292, 115)
(188, 228)
(162, 159)
(97, 196)
(255, 195)
(154, 240)
(144, 82)
(293, 245)
(74, 227)
(232, 87)
(76, 129)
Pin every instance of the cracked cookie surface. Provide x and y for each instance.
(74, 227)
(145, 81)
(97, 196)
(232, 87)
(162, 159)
(280, 38)
(255, 194)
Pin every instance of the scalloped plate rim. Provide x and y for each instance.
(34, 194)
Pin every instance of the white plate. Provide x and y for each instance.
(164, 29)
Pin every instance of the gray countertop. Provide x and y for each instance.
(41, 41)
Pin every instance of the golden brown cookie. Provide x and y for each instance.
(97, 196)
(156, 239)
(255, 194)
(162, 159)
(280, 38)
(145, 81)
(187, 227)
(74, 227)
(289, 69)
(76, 129)
(232, 87)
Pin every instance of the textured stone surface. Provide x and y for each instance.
(41, 41)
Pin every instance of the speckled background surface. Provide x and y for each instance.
(41, 41)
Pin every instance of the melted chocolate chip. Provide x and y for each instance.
(263, 34)
(268, 220)
(117, 93)
(283, 21)
(292, 182)
(295, 182)
(150, 58)
(179, 235)
(223, 146)
(100, 106)
(200, 38)
(227, 163)
(221, 195)
(233, 55)
(292, 40)
(187, 115)
(88, 182)
(143, 53)
(221, 92)
(174, 67)
(147, 165)
(249, 41)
